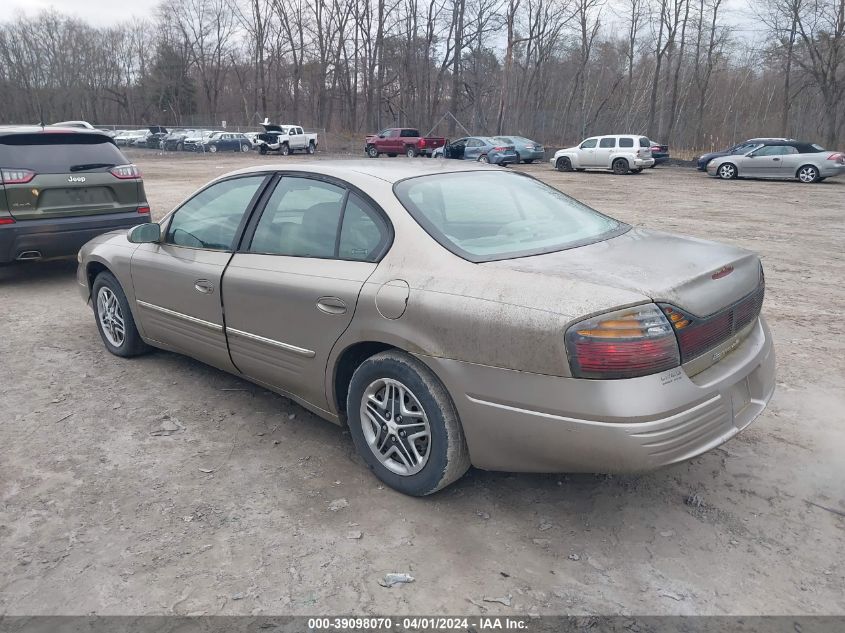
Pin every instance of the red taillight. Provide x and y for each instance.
(145, 210)
(839, 156)
(422, 142)
(622, 344)
(500, 149)
(7, 220)
(16, 176)
(125, 172)
(655, 148)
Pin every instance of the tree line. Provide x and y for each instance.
(678, 71)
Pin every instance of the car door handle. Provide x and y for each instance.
(204, 286)
(331, 305)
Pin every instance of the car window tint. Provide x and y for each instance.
(608, 142)
(626, 142)
(301, 219)
(503, 139)
(590, 142)
(363, 233)
(484, 216)
(775, 150)
(59, 153)
(211, 218)
(644, 142)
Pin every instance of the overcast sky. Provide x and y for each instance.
(106, 12)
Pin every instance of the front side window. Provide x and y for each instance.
(589, 143)
(484, 216)
(211, 218)
(775, 150)
(300, 220)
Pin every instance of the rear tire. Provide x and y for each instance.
(563, 164)
(311, 147)
(808, 174)
(621, 167)
(410, 151)
(114, 318)
(386, 387)
(483, 159)
(245, 148)
(212, 149)
(727, 171)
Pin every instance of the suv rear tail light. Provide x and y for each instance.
(125, 172)
(623, 344)
(16, 176)
(144, 209)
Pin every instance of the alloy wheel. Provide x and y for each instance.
(727, 171)
(808, 174)
(110, 316)
(395, 426)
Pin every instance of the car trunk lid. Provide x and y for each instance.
(51, 175)
(697, 276)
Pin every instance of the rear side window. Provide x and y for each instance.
(608, 142)
(301, 219)
(61, 153)
(410, 133)
(363, 234)
(644, 142)
(626, 142)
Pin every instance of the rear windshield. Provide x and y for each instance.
(62, 153)
(485, 216)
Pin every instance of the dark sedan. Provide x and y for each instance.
(660, 153)
(527, 151)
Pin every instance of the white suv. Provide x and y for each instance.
(622, 153)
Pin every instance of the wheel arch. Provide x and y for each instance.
(345, 364)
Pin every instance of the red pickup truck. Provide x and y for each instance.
(401, 140)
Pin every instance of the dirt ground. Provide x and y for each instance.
(102, 513)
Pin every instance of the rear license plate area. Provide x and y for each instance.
(740, 397)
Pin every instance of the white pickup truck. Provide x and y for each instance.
(285, 139)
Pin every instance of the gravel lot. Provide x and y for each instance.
(99, 513)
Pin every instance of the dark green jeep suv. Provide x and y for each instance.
(61, 187)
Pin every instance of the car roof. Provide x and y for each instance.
(388, 171)
(8, 130)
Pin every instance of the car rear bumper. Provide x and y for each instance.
(523, 422)
(826, 171)
(60, 237)
(527, 154)
(643, 162)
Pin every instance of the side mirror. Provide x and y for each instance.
(291, 133)
(750, 154)
(148, 233)
(381, 135)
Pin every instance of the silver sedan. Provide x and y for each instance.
(785, 160)
(449, 314)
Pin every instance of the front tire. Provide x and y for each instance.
(563, 164)
(727, 171)
(372, 151)
(114, 318)
(285, 150)
(808, 174)
(404, 424)
(262, 150)
(620, 167)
